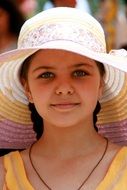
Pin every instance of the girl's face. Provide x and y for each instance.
(64, 87)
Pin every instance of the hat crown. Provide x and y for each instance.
(63, 24)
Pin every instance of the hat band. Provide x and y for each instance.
(58, 31)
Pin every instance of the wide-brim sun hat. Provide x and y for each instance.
(65, 29)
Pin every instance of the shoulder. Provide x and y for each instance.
(118, 156)
(122, 154)
(2, 172)
(7, 164)
(116, 169)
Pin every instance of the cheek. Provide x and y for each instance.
(90, 92)
(40, 98)
(91, 87)
(40, 93)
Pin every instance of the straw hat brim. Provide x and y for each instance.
(12, 92)
(117, 60)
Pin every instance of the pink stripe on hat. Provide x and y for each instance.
(16, 136)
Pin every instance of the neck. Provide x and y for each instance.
(68, 141)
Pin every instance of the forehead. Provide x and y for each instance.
(51, 56)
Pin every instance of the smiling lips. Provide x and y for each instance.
(64, 106)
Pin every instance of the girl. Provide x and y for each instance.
(60, 72)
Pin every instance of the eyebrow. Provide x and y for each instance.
(82, 64)
(76, 66)
(43, 67)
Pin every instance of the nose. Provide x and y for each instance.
(64, 88)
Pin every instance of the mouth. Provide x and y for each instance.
(65, 106)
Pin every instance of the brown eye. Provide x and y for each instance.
(79, 73)
(47, 75)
